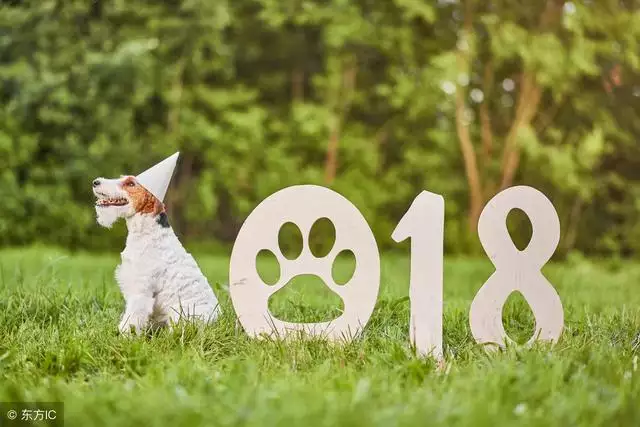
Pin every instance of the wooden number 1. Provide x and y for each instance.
(424, 225)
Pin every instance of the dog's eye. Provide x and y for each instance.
(131, 184)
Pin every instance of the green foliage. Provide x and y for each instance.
(252, 92)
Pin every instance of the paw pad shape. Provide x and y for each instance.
(303, 206)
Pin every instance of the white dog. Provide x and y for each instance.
(159, 279)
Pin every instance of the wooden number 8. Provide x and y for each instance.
(517, 270)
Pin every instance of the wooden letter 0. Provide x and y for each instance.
(517, 270)
(303, 205)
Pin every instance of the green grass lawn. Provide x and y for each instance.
(58, 342)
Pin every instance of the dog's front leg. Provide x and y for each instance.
(137, 313)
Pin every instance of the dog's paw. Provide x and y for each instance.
(131, 326)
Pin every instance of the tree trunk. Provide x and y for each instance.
(526, 109)
(297, 84)
(528, 101)
(331, 162)
(470, 163)
(464, 137)
(347, 88)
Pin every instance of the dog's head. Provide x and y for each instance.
(123, 197)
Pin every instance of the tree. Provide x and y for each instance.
(378, 100)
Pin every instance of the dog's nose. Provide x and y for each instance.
(96, 182)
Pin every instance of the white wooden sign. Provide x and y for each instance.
(517, 270)
(304, 205)
(424, 224)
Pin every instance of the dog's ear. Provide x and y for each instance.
(158, 206)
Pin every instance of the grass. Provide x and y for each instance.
(59, 312)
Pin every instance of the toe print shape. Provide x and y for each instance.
(268, 267)
(304, 206)
(322, 237)
(344, 267)
(290, 241)
(290, 246)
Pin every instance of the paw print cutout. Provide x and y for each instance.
(303, 206)
(317, 292)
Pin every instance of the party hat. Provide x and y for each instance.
(156, 179)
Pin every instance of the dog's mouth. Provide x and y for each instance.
(111, 201)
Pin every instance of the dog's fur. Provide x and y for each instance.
(159, 279)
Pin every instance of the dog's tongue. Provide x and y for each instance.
(156, 179)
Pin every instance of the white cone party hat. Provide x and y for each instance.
(156, 179)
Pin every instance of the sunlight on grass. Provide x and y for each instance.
(58, 341)
(517, 318)
(306, 299)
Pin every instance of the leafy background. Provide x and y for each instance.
(375, 99)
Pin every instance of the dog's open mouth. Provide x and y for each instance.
(118, 201)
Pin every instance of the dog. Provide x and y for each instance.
(160, 281)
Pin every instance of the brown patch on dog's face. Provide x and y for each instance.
(142, 200)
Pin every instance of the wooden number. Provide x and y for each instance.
(424, 225)
(517, 270)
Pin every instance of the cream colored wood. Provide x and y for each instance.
(424, 225)
(517, 270)
(303, 205)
